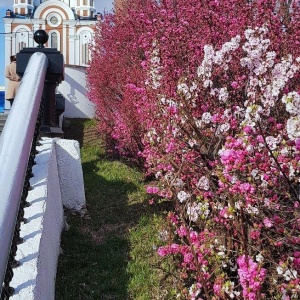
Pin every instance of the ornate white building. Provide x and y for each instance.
(70, 25)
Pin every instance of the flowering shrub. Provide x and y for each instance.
(244, 192)
(214, 114)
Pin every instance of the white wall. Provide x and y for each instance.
(73, 88)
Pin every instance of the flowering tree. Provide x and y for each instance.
(215, 99)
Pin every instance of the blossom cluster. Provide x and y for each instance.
(251, 277)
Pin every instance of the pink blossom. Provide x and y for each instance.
(182, 231)
(297, 142)
(152, 189)
(248, 129)
(267, 222)
(234, 84)
(251, 276)
(162, 251)
(255, 234)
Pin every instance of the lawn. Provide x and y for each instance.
(109, 249)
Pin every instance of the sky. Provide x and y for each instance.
(101, 6)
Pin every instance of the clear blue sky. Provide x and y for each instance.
(101, 6)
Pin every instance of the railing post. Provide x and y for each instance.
(49, 96)
(54, 76)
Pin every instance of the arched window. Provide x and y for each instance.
(85, 39)
(85, 54)
(53, 40)
(21, 39)
(22, 45)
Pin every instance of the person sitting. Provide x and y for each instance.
(14, 80)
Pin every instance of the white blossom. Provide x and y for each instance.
(221, 254)
(252, 210)
(290, 274)
(184, 89)
(272, 142)
(224, 128)
(254, 173)
(259, 258)
(292, 172)
(223, 94)
(196, 210)
(207, 83)
(178, 183)
(203, 183)
(155, 67)
(253, 114)
(206, 117)
(192, 142)
(183, 196)
(292, 103)
(293, 127)
(279, 270)
(198, 123)
(193, 211)
(194, 292)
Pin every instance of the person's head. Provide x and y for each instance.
(13, 58)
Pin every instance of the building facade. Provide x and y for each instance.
(70, 25)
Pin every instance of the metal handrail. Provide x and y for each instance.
(15, 148)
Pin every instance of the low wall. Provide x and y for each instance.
(53, 187)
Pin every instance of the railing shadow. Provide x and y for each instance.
(96, 247)
(24, 285)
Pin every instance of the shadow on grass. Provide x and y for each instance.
(74, 128)
(95, 248)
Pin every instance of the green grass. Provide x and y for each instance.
(151, 278)
(110, 252)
